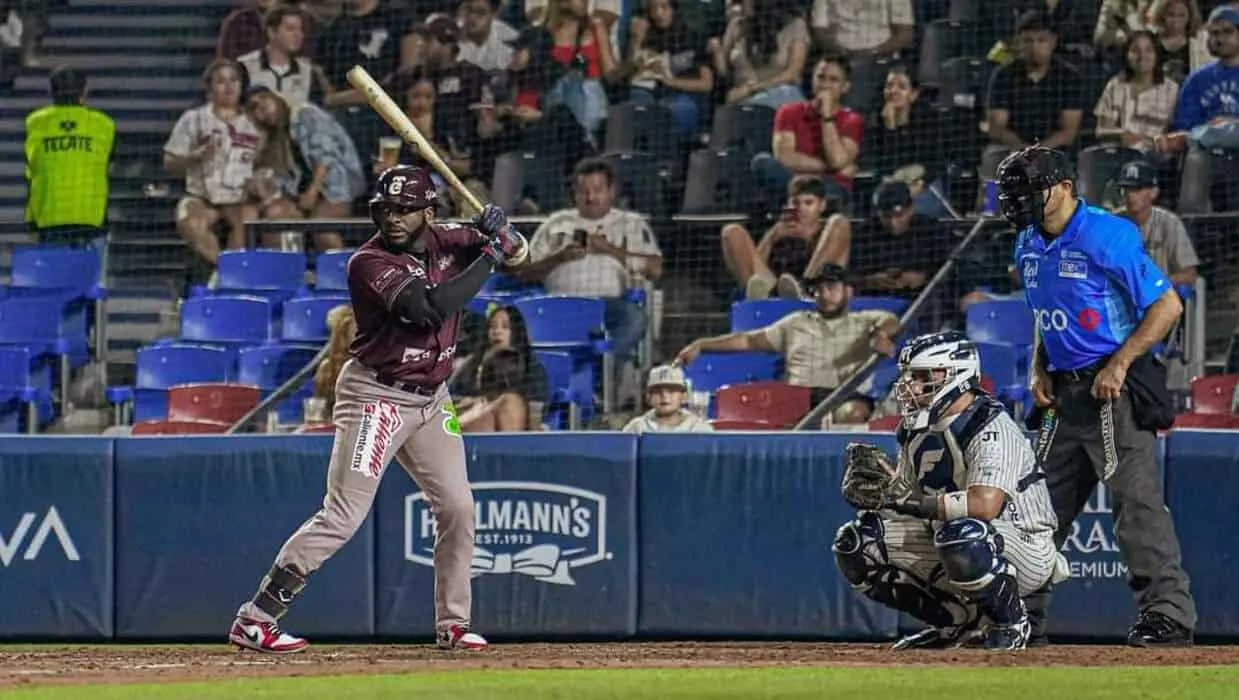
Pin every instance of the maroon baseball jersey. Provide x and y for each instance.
(397, 350)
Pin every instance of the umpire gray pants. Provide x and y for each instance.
(1100, 440)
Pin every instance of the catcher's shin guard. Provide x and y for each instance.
(971, 553)
(860, 553)
(277, 591)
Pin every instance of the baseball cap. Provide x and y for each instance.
(440, 28)
(829, 272)
(667, 375)
(892, 197)
(1226, 13)
(1138, 173)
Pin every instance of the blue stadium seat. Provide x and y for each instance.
(568, 382)
(64, 268)
(1000, 321)
(752, 314)
(35, 323)
(20, 387)
(331, 270)
(880, 382)
(895, 305)
(226, 320)
(274, 274)
(712, 370)
(565, 322)
(269, 366)
(1007, 366)
(305, 318)
(160, 367)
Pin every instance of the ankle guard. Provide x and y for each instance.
(279, 587)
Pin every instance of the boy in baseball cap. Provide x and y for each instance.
(665, 393)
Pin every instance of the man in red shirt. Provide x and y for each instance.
(815, 137)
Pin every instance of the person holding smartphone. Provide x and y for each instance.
(803, 240)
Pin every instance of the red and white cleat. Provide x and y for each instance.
(266, 637)
(457, 637)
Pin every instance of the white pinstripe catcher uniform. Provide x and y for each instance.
(982, 446)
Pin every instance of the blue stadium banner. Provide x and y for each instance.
(555, 549)
(736, 531)
(1202, 478)
(1096, 601)
(56, 537)
(199, 521)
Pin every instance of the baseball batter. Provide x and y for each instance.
(961, 528)
(408, 285)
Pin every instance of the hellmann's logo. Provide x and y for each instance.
(530, 528)
(21, 542)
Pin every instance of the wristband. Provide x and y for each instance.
(924, 507)
(955, 505)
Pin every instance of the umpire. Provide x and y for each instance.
(1099, 305)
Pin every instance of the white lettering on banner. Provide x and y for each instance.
(1048, 320)
(51, 524)
(380, 421)
(1091, 548)
(531, 528)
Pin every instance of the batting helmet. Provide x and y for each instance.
(1023, 176)
(405, 187)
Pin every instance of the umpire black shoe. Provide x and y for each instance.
(1156, 630)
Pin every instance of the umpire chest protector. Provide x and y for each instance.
(937, 457)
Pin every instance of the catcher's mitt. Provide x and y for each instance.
(870, 481)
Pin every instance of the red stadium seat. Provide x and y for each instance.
(736, 424)
(885, 423)
(1213, 394)
(213, 402)
(1219, 421)
(179, 427)
(774, 402)
(987, 383)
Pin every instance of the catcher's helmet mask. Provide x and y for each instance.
(402, 190)
(934, 371)
(1023, 179)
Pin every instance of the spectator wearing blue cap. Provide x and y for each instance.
(1208, 107)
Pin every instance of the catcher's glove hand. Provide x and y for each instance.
(870, 481)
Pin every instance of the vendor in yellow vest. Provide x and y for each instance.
(68, 150)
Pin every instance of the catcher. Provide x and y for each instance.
(960, 528)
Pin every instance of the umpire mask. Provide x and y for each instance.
(1023, 178)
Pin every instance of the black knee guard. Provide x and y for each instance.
(971, 553)
(860, 553)
(277, 591)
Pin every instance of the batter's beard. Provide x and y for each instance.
(415, 242)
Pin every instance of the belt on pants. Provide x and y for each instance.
(416, 389)
(1080, 375)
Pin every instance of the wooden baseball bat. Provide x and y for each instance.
(386, 107)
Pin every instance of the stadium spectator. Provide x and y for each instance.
(606, 11)
(458, 84)
(1034, 99)
(665, 394)
(244, 30)
(1072, 21)
(814, 137)
(1165, 236)
(1116, 20)
(1137, 105)
(450, 136)
(793, 249)
(342, 326)
(762, 54)
(69, 147)
(22, 25)
(369, 34)
(906, 140)
(673, 67)
(568, 57)
(525, 393)
(280, 64)
(895, 253)
(1207, 113)
(822, 347)
(485, 40)
(1178, 28)
(214, 146)
(863, 28)
(311, 158)
(599, 251)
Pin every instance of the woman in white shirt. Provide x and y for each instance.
(1138, 103)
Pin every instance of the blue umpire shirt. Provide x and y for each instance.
(1088, 288)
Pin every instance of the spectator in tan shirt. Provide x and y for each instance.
(1165, 236)
(821, 347)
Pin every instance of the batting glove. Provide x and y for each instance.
(493, 249)
(491, 221)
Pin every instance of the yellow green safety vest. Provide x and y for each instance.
(68, 150)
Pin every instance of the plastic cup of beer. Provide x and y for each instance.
(389, 149)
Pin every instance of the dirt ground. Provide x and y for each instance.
(119, 664)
